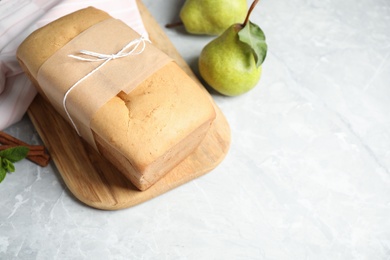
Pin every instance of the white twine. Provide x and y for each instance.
(102, 57)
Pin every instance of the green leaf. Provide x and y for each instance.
(252, 35)
(3, 172)
(14, 154)
(10, 156)
(8, 166)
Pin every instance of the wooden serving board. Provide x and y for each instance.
(95, 181)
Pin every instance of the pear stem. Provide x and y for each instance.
(173, 25)
(249, 12)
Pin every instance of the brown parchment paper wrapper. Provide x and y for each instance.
(122, 74)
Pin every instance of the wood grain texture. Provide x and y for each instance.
(95, 181)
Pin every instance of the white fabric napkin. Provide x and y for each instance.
(18, 18)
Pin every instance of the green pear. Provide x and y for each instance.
(211, 17)
(231, 63)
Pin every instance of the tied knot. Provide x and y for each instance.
(134, 47)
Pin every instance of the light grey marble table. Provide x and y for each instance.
(307, 175)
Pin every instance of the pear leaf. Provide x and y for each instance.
(252, 35)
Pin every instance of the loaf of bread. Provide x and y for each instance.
(145, 133)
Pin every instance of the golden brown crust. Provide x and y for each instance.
(55, 35)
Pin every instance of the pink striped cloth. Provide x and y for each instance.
(18, 18)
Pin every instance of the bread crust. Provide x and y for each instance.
(145, 133)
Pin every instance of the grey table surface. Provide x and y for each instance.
(307, 175)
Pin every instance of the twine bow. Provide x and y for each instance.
(131, 48)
